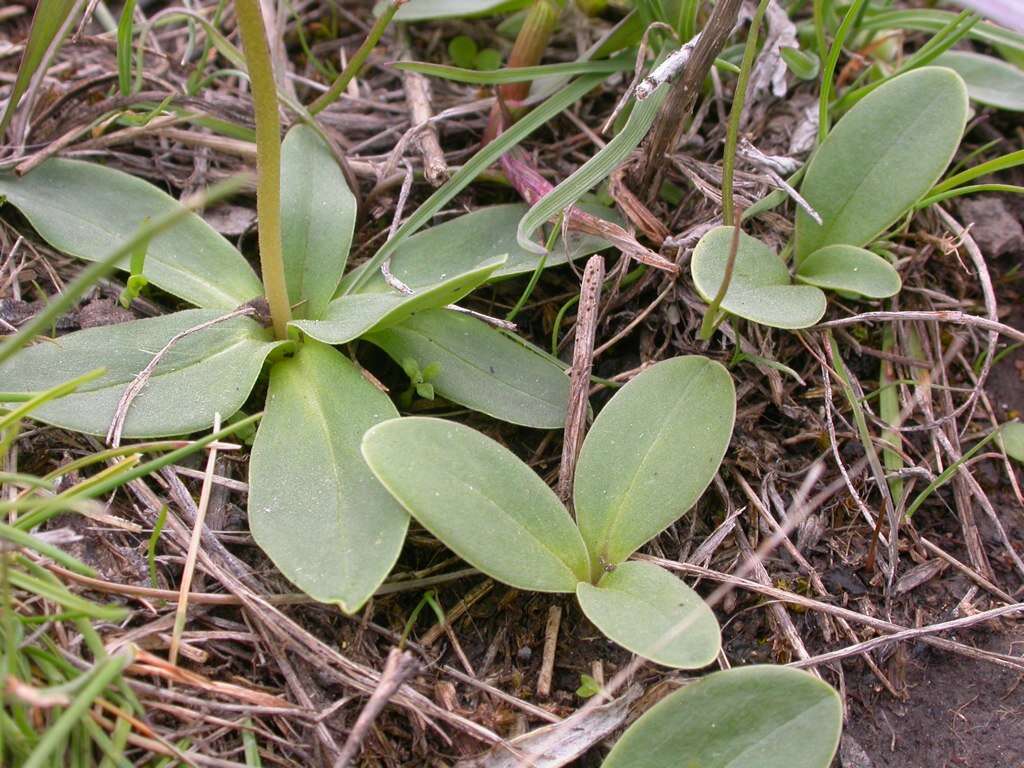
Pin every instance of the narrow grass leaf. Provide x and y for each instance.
(480, 500)
(650, 612)
(314, 506)
(933, 20)
(592, 172)
(465, 175)
(517, 74)
(47, 21)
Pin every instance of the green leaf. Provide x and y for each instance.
(210, 371)
(760, 289)
(651, 453)
(989, 80)
(85, 210)
(1011, 437)
(804, 64)
(427, 10)
(495, 76)
(750, 717)
(482, 368)
(464, 243)
(478, 498)
(487, 59)
(881, 157)
(588, 687)
(314, 506)
(318, 216)
(354, 314)
(462, 50)
(851, 270)
(47, 20)
(597, 168)
(650, 612)
(475, 165)
(933, 20)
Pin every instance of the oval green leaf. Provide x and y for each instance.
(314, 506)
(480, 500)
(481, 367)
(318, 216)
(881, 157)
(850, 269)
(989, 80)
(1011, 437)
(85, 210)
(751, 717)
(354, 314)
(760, 289)
(650, 454)
(650, 612)
(463, 50)
(207, 372)
(466, 242)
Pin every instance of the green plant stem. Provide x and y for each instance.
(736, 112)
(268, 161)
(828, 67)
(710, 321)
(356, 62)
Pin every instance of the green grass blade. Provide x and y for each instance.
(468, 172)
(593, 171)
(102, 675)
(103, 267)
(47, 21)
(517, 74)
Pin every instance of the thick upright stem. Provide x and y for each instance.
(268, 161)
(528, 50)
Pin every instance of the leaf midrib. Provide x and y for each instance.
(471, 490)
(907, 128)
(616, 517)
(160, 371)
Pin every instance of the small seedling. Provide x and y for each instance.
(651, 453)
(465, 53)
(875, 164)
(419, 381)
